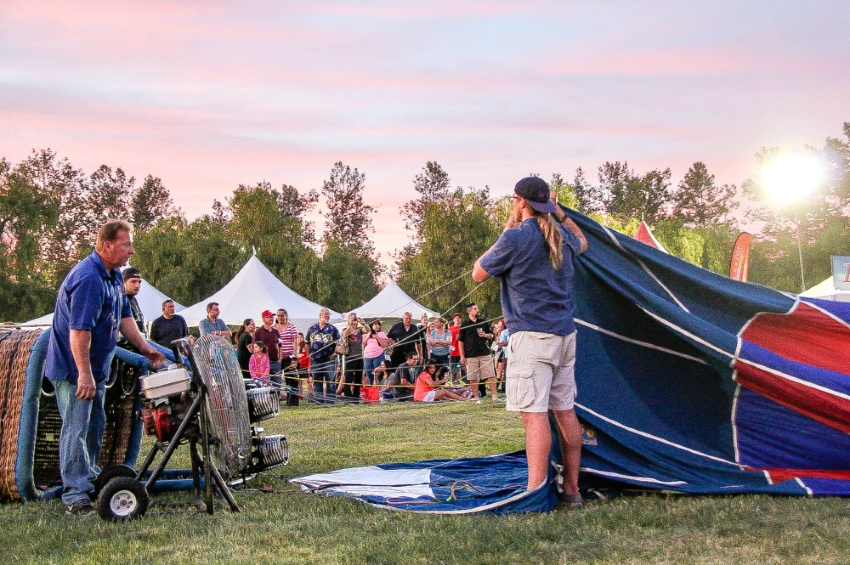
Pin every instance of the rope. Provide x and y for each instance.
(407, 339)
(486, 437)
(282, 387)
(343, 382)
(414, 337)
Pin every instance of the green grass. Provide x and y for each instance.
(288, 527)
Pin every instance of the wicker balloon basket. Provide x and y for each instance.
(30, 421)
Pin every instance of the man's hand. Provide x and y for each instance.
(80, 345)
(85, 387)
(156, 358)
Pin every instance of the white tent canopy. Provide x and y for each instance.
(252, 290)
(826, 291)
(392, 302)
(149, 298)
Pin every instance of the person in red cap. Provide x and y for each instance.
(271, 337)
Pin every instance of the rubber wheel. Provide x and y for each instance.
(128, 378)
(47, 388)
(122, 498)
(114, 371)
(110, 473)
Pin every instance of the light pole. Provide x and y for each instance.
(800, 250)
(789, 180)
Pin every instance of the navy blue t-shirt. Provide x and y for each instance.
(535, 296)
(92, 299)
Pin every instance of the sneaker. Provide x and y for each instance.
(80, 507)
(478, 402)
(572, 500)
(500, 399)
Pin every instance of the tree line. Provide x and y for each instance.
(50, 210)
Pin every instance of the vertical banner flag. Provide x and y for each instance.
(841, 272)
(739, 266)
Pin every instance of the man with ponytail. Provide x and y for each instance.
(533, 259)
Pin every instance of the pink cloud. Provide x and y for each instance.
(208, 95)
(665, 62)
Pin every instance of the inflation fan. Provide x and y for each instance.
(200, 401)
(203, 404)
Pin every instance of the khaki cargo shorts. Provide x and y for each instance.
(541, 372)
(480, 369)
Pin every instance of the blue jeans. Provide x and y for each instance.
(324, 374)
(455, 368)
(369, 365)
(83, 422)
(274, 375)
(440, 360)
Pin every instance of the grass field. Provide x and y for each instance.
(285, 526)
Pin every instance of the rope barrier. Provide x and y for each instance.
(281, 387)
(408, 340)
(414, 337)
(478, 448)
(408, 403)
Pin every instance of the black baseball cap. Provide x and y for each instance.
(131, 273)
(536, 193)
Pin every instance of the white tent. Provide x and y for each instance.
(150, 301)
(252, 290)
(392, 302)
(826, 291)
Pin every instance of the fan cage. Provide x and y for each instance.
(272, 451)
(263, 403)
(226, 405)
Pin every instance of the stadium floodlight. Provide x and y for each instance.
(790, 179)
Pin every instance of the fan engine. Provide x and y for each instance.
(167, 401)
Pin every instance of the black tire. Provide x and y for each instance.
(110, 473)
(47, 388)
(128, 378)
(114, 371)
(122, 498)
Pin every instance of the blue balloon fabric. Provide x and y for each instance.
(688, 382)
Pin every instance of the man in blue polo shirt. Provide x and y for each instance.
(534, 260)
(91, 310)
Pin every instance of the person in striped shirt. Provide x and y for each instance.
(286, 355)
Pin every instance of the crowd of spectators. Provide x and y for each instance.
(426, 362)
